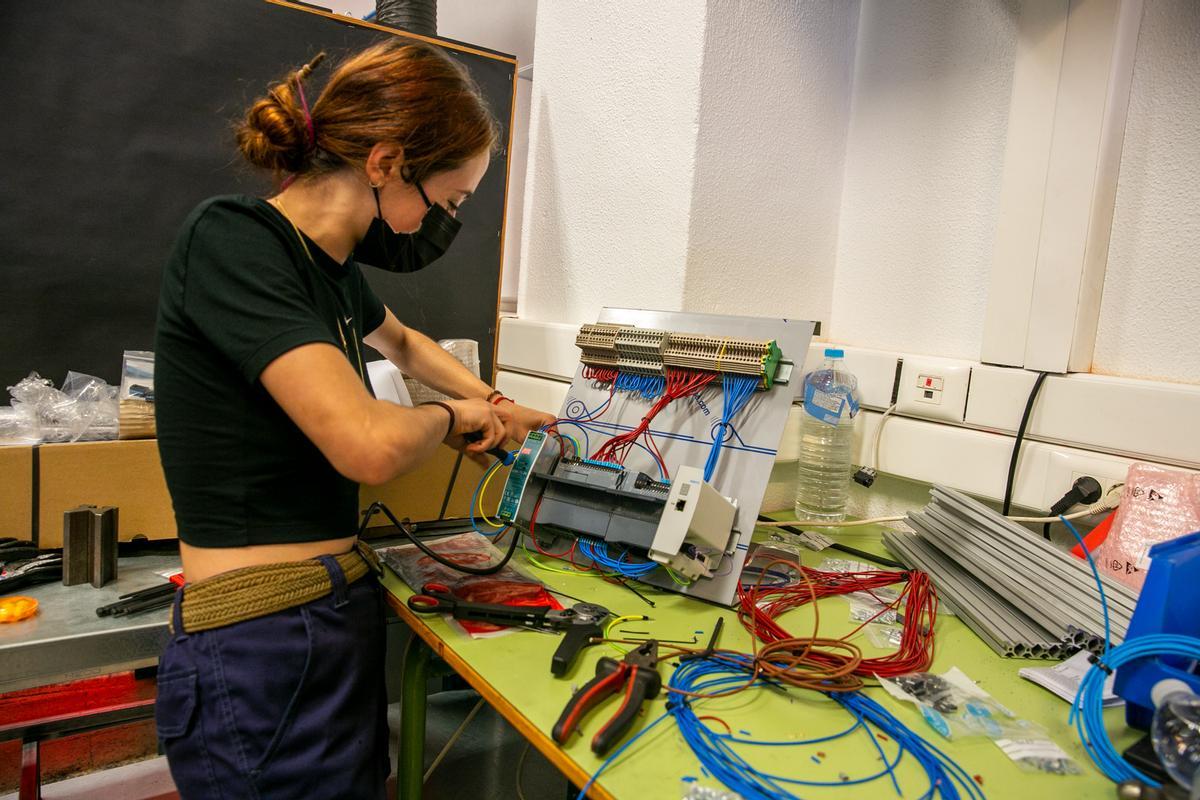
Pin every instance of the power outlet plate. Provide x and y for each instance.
(934, 388)
(1063, 469)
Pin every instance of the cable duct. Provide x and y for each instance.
(415, 16)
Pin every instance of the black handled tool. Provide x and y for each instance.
(637, 674)
(498, 453)
(582, 621)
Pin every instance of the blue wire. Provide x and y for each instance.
(1087, 710)
(475, 503)
(718, 757)
(598, 553)
(1096, 576)
(1088, 706)
(587, 443)
(617, 754)
(737, 391)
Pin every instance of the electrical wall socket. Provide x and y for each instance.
(1063, 469)
(934, 388)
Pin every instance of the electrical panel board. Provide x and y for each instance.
(664, 446)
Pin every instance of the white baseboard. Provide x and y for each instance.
(1105, 422)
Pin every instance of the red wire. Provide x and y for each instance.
(533, 538)
(679, 384)
(763, 604)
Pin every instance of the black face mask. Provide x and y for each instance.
(382, 247)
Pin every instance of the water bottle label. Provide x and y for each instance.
(828, 406)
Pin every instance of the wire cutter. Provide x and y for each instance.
(637, 673)
(582, 621)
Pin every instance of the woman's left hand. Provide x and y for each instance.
(520, 420)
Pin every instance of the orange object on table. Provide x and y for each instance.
(17, 608)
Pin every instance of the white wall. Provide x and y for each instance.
(774, 105)
(686, 156)
(1151, 305)
(611, 156)
(923, 165)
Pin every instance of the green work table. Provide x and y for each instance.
(513, 673)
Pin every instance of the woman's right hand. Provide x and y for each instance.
(476, 416)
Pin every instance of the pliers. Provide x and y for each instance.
(582, 622)
(637, 673)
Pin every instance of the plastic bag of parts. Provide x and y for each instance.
(1157, 504)
(465, 351)
(506, 587)
(136, 395)
(885, 637)
(954, 706)
(877, 606)
(690, 788)
(85, 409)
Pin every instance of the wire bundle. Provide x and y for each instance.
(760, 605)
(1087, 710)
(1088, 706)
(679, 384)
(599, 374)
(648, 386)
(738, 389)
(716, 751)
(597, 551)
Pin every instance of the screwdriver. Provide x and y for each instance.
(498, 453)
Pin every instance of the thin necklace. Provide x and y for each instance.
(275, 201)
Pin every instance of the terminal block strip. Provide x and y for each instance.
(648, 351)
(599, 344)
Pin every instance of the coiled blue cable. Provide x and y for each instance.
(716, 752)
(1087, 710)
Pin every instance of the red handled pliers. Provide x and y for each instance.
(637, 674)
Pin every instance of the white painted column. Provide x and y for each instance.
(612, 147)
(686, 156)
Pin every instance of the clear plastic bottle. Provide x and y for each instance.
(1175, 732)
(826, 440)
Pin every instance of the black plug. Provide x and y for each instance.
(1085, 490)
(865, 477)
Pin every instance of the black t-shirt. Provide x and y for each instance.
(238, 292)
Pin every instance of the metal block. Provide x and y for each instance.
(77, 545)
(104, 545)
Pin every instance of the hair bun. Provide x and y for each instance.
(274, 134)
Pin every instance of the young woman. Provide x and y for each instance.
(272, 683)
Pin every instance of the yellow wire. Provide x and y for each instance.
(537, 562)
(676, 578)
(619, 620)
(487, 479)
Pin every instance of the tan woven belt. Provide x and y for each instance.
(251, 592)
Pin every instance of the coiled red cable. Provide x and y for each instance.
(760, 606)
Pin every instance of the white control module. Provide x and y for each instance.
(696, 528)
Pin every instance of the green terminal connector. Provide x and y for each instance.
(770, 364)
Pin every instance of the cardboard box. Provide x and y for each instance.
(419, 495)
(16, 491)
(126, 474)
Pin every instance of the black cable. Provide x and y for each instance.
(1046, 531)
(424, 548)
(1016, 451)
(886, 562)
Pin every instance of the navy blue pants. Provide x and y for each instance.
(290, 705)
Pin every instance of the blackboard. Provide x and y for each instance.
(118, 119)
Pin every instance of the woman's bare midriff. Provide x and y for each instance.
(204, 562)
